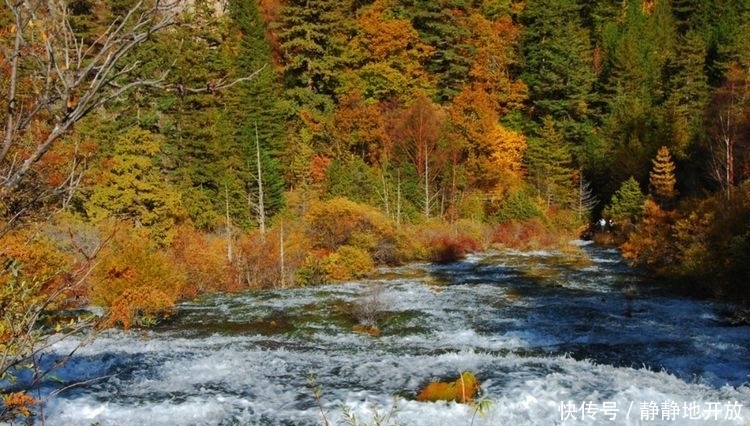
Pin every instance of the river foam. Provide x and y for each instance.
(577, 351)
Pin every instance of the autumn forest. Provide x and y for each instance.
(153, 151)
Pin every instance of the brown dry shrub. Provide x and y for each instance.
(259, 262)
(528, 235)
(443, 242)
(16, 404)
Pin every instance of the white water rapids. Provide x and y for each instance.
(553, 343)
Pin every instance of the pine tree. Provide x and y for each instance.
(550, 167)
(662, 179)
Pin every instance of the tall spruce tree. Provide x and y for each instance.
(443, 25)
(550, 167)
(558, 64)
(313, 36)
(259, 116)
(636, 50)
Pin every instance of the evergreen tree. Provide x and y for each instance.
(688, 91)
(352, 179)
(637, 49)
(260, 96)
(442, 24)
(558, 64)
(258, 114)
(313, 36)
(626, 204)
(550, 167)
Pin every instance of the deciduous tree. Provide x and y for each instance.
(419, 132)
(55, 77)
(387, 56)
(662, 179)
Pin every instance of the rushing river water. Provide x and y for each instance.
(553, 342)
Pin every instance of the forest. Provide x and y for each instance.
(154, 151)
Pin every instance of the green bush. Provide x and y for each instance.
(519, 206)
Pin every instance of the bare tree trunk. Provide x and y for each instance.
(228, 224)
(398, 200)
(426, 187)
(386, 201)
(282, 266)
(261, 207)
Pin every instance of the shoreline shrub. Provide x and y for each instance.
(135, 281)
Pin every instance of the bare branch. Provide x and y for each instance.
(77, 77)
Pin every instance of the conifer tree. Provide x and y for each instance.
(130, 188)
(442, 25)
(626, 204)
(550, 167)
(257, 113)
(558, 70)
(313, 35)
(662, 179)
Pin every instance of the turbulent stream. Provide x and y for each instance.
(553, 341)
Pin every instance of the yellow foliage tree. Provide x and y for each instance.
(131, 188)
(662, 179)
(389, 53)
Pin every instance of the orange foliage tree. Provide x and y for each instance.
(494, 153)
(135, 281)
(359, 129)
(388, 54)
(202, 258)
(650, 242)
(38, 275)
(419, 132)
(495, 44)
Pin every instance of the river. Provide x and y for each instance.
(553, 340)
